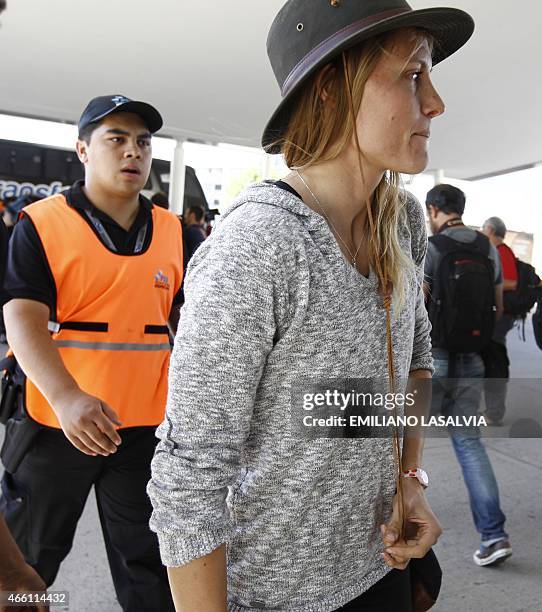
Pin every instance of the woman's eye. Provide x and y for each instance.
(416, 76)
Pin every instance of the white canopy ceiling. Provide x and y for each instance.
(204, 65)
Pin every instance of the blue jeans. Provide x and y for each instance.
(469, 449)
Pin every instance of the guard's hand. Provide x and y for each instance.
(23, 580)
(422, 528)
(88, 423)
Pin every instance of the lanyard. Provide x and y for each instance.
(451, 223)
(98, 225)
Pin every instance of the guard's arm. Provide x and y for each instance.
(28, 336)
(87, 422)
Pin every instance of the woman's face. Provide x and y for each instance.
(398, 103)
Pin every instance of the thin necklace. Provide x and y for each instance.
(353, 257)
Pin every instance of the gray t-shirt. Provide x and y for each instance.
(465, 235)
(270, 299)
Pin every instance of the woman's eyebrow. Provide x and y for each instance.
(424, 63)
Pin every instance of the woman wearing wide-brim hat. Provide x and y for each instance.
(315, 277)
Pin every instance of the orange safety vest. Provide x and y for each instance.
(111, 312)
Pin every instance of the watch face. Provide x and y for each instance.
(422, 477)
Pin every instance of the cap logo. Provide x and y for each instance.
(118, 100)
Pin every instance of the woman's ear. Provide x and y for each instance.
(325, 80)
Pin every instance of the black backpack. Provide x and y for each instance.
(520, 302)
(537, 324)
(462, 301)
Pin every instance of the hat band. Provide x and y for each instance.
(334, 41)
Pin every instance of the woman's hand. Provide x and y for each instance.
(422, 527)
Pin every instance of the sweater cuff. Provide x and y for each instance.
(423, 364)
(180, 548)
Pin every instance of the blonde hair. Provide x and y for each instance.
(319, 132)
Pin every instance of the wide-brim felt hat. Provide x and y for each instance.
(308, 34)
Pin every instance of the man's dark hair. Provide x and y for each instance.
(447, 198)
(86, 133)
(160, 199)
(198, 211)
(2, 5)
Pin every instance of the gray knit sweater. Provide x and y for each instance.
(269, 299)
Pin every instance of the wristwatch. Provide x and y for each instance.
(418, 473)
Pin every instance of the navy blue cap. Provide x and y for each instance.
(102, 106)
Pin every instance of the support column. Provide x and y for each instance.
(438, 176)
(266, 166)
(177, 179)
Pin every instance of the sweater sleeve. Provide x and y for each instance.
(422, 358)
(225, 333)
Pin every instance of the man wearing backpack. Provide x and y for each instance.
(495, 355)
(464, 298)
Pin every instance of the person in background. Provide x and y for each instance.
(13, 208)
(477, 268)
(160, 199)
(194, 233)
(495, 356)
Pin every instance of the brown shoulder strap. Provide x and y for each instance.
(396, 440)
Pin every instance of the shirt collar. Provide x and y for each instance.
(77, 198)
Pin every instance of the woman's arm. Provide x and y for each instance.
(200, 584)
(225, 334)
(413, 444)
(418, 514)
(422, 528)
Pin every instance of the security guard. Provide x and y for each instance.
(94, 275)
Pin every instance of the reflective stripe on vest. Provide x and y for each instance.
(112, 310)
(110, 346)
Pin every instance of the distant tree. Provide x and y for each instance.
(242, 180)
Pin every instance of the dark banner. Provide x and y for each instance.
(369, 408)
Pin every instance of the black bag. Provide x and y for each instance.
(537, 324)
(20, 436)
(520, 302)
(9, 389)
(462, 301)
(21, 430)
(425, 581)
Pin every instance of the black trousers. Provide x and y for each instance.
(43, 500)
(391, 594)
